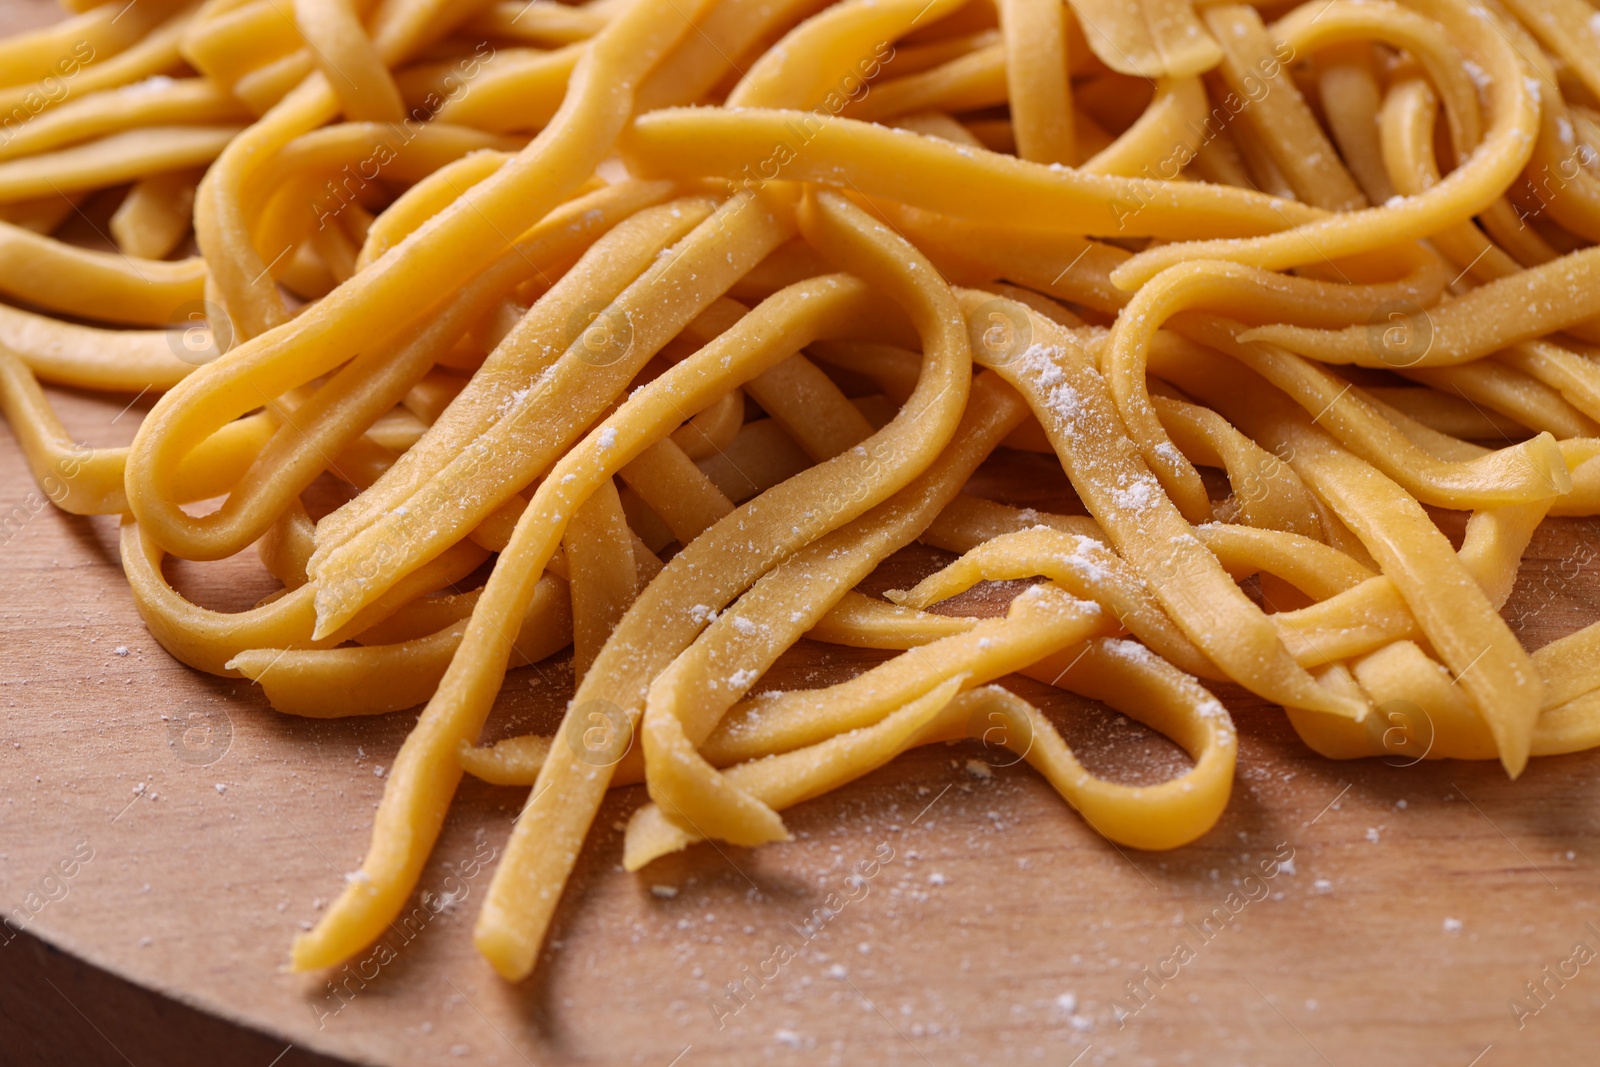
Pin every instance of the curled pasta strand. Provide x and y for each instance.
(1074, 404)
(669, 611)
(375, 679)
(1450, 608)
(340, 411)
(425, 772)
(1506, 147)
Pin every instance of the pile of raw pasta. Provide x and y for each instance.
(675, 318)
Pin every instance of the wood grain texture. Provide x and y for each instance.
(1419, 903)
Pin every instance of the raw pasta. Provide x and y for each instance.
(676, 320)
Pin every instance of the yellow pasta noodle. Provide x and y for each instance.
(649, 336)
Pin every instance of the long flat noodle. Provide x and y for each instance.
(1451, 609)
(1499, 314)
(425, 772)
(1407, 124)
(1266, 491)
(375, 679)
(1570, 665)
(185, 100)
(359, 145)
(1125, 676)
(928, 173)
(155, 214)
(1505, 150)
(1122, 673)
(1253, 68)
(1348, 86)
(1531, 470)
(1107, 469)
(1500, 388)
(1163, 816)
(716, 566)
(789, 778)
(228, 40)
(1572, 373)
(89, 481)
(600, 558)
(1570, 727)
(111, 160)
(809, 407)
(1036, 75)
(863, 622)
(424, 200)
(814, 59)
(207, 640)
(678, 492)
(970, 82)
(1450, 415)
(1083, 566)
(724, 39)
(1149, 38)
(714, 429)
(91, 358)
(1316, 569)
(1209, 285)
(542, 22)
(1066, 267)
(348, 61)
(1170, 130)
(431, 273)
(545, 332)
(105, 286)
(1040, 621)
(528, 436)
(969, 521)
(514, 91)
(688, 698)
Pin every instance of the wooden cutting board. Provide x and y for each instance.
(170, 834)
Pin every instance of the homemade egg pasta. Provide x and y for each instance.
(650, 329)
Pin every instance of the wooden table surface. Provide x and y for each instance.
(1419, 903)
